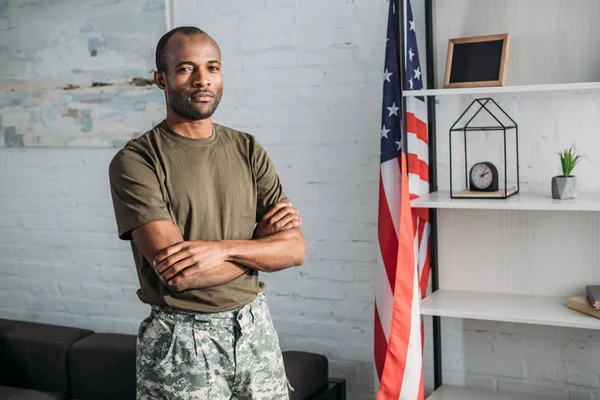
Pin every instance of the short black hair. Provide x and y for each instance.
(161, 55)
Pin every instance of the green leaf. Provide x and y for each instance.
(568, 160)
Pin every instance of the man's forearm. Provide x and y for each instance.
(199, 264)
(273, 253)
(227, 272)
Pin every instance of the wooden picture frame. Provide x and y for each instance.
(477, 61)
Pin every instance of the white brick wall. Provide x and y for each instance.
(306, 80)
(553, 361)
(61, 260)
(305, 77)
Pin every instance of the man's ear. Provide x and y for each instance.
(160, 79)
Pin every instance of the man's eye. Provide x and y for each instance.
(184, 70)
(214, 68)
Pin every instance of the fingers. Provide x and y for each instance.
(289, 218)
(177, 268)
(276, 207)
(293, 224)
(171, 260)
(180, 281)
(282, 213)
(167, 252)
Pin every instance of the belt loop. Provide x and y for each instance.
(194, 336)
(252, 314)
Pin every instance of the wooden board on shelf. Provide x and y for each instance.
(449, 392)
(525, 309)
(581, 304)
(492, 195)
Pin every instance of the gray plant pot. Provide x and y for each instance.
(564, 187)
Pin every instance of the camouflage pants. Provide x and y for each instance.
(220, 356)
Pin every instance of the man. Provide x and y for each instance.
(188, 194)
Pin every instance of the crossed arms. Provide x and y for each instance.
(277, 244)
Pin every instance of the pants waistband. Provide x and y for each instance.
(243, 313)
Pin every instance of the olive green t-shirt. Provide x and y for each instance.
(211, 189)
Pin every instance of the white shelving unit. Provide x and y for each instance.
(495, 264)
(455, 299)
(520, 201)
(538, 310)
(577, 87)
(448, 392)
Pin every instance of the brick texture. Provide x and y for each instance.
(305, 78)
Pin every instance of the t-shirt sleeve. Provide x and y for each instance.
(269, 189)
(135, 190)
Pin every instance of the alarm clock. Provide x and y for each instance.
(483, 177)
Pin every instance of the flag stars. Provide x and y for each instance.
(386, 75)
(418, 73)
(384, 132)
(410, 54)
(410, 83)
(399, 144)
(412, 25)
(393, 110)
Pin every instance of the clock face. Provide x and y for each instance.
(481, 176)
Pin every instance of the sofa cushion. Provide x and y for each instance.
(5, 324)
(35, 355)
(306, 372)
(12, 393)
(102, 366)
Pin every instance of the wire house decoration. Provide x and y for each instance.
(488, 125)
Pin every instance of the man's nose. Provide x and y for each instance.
(201, 79)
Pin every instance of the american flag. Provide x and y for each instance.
(403, 232)
(418, 148)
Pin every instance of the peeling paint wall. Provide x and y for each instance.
(77, 73)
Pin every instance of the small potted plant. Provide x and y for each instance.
(565, 186)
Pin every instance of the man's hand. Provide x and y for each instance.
(281, 216)
(183, 265)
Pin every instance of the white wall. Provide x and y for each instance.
(305, 77)
(540, 253)
(61, 261)
(552, 41)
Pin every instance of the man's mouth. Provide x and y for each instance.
(201, 96)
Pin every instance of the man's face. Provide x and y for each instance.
(194, 84)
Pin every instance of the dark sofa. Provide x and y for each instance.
(49, 362)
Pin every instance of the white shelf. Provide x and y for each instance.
(447, 392)
(538, 310)
(520, 201)
(583, 86)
